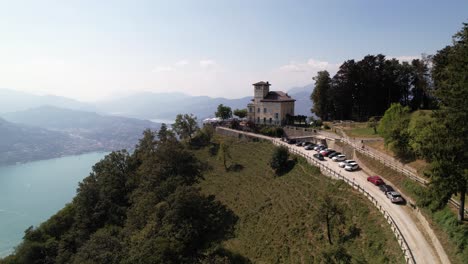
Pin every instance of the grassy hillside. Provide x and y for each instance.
(277, 215)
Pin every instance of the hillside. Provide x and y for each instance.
(147, 207)
(108, 132)
(277, 215)
(21, 143)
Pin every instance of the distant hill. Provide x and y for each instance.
(165, 106)
(11, 101)
(56, 131)
(302, 96)
(21, 143)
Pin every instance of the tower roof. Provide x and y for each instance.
(261, 83)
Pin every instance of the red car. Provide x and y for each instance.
(376, 180)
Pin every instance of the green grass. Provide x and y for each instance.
(361, 132)
(276, 214)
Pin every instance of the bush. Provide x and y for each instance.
(279, 159)
(271, 131)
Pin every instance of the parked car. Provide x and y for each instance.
(320, 148)
(376, 180)
(299, 143)
(306, 143)
(344, 163)
(319, 156)
(334, 154)
(291, 141)
(317, 147)
(386, 188)
(326, 152)
(351, 166)
(395, 197)
(339, 157)
(309, 147)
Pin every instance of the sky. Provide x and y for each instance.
(96, 50)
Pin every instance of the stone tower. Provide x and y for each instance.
(261, 89)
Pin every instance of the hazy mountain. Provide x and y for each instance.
(302, 96)
(168, 105)
(108, 132)
(21, 143)
(11, 101)
(165, 106)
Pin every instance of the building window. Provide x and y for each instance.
(271, 120)
(258, 119)
(276, 115)
(264, 120)
(258, 110)
(250, 109)
(264, 110)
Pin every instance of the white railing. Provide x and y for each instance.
(409, 258)
(394, 165)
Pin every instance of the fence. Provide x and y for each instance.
(409, 258)
(395, 166)
(327, 170)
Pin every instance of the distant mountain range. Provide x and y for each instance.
(11, 101)
(153, 106)
(48, 131)
(40, 127)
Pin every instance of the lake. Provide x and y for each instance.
(32, 192)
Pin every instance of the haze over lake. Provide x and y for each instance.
(32, 192)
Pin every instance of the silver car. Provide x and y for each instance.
(340, 157)
(351, 166)
(346, 162)
(395, 197)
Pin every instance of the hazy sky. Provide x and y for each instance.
(94, 49)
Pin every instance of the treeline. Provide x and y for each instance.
(439, 136)
(366, 88)
(137, 208)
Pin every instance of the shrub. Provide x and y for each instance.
(279, 159)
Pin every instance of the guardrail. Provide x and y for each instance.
(409, 258)
(395, 166)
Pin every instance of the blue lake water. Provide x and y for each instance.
(32, 192)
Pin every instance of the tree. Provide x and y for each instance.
(330, 216)
(373, 123)
(164, 133)
(394, 129)
(223, 112)
(185, 126)
(241, 113)
(320, 96)
(449, 136)
(224, 152)
(279, 159)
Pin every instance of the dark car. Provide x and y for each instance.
(395, 197)
(306, 143)
(319, 156)
(334, 154)
(291, 141)
(309, 147)
(376, 180)
(299, 143)
(386, 188)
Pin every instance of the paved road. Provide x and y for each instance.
(408, 224)
(420, 246)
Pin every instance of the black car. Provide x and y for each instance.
(291, 141)
(319, 156)
(299, 143)
(386, 188)
(334, 154)
(306, 143)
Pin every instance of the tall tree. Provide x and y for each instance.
(241, 113)
(449, 140)
(320, 95)
(223, 112)
(185, 125)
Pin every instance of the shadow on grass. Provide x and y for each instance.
(236, 167)
(287, 168)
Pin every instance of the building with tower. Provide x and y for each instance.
(269, 107)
